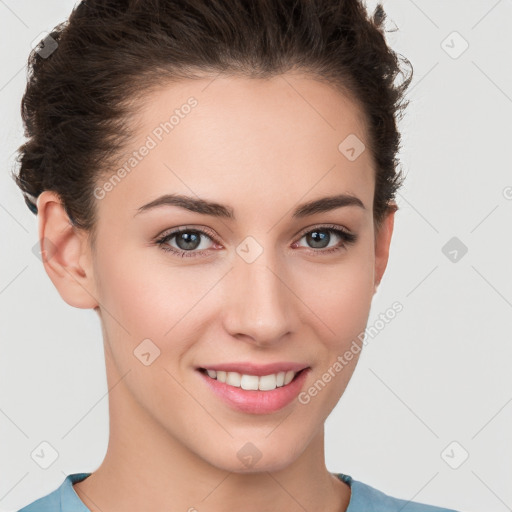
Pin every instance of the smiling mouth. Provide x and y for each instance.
(253, 382)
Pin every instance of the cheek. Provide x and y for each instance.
(151, 299)
(147, 296)
(144, 311)
(347, 305)
(343, 306)
(340, 295)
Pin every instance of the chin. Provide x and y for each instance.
(257, 457)
(261, 466)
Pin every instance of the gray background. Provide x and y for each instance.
(438, 373)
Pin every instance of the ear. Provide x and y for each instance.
(65, 253)
(382, 243)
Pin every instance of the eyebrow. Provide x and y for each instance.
(205, 207)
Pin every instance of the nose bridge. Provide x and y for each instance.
(259, 302)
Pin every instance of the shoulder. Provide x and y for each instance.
(62, 499)
(365, 498)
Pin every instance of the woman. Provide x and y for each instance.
(217, 181)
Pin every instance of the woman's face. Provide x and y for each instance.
(261, 285)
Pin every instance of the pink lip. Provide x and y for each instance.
(257, 402)
(255, 369)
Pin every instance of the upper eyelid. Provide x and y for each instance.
(185, 229)
(327, 227)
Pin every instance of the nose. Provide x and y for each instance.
(258, 303)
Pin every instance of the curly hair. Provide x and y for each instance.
(84, 83)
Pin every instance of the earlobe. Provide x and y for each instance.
(65, 253)
(382, 244)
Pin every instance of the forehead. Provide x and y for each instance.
(225, 138)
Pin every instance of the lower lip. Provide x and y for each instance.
(257, 402)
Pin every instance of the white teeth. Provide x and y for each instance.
(249, 382)
(233, 379)
(253, 382)
(288, 377)
(267, 382)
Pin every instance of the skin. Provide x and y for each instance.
(261, 148)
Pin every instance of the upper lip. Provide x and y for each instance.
(256, 369)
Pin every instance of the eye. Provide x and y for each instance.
(189, 242)
(320, 238)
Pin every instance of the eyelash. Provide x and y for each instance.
(346, 237)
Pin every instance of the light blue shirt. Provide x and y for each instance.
(363, 499)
